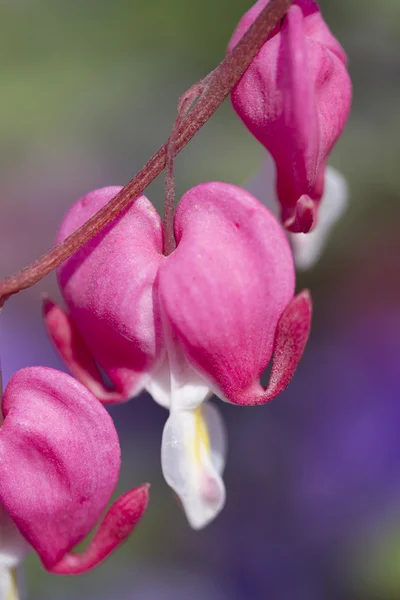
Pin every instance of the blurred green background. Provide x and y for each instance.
(88, 92)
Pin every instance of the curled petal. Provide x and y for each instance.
(291, 338)
(74, 352)
(193, 457)
(226, 285)
(118, 524)
(304, 217)
(59, 460)
(108, 286)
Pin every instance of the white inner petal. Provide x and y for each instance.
(159, 384)
(176, 384)
(217, 436)
(8, 584)
(192, 457)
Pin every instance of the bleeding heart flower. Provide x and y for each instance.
(59, 464)
(205, 319)
(295, 99)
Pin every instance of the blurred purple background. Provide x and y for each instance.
(89, 92)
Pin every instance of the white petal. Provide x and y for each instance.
(175, 383)
(192, 457)
(159, 384)
(307, 247)
(217, 435)
(8, 584)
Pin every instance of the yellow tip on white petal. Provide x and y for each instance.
(201, 437)
(193, 457)
(8, 584)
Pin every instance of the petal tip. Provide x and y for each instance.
(47, 304)
(304, 217)
(119, 522)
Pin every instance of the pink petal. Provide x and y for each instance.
(295, 98)
(74, 352)
(226, 285)
(118, 524)
(291, 338)
(108, 287)
(303, 219)
(59, 460)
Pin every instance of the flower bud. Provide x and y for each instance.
(295, 99)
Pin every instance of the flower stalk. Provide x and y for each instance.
(219, 85)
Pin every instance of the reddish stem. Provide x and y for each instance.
(220, 83)
(184, 105)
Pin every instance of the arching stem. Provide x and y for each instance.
(220, 83)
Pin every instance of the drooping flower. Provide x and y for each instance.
(307, 247)
(295, 99)
(59, 464)
(205, 319)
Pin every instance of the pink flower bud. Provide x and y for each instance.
(59, 464)
(295, 99)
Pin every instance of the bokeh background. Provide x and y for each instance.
(88, 93)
